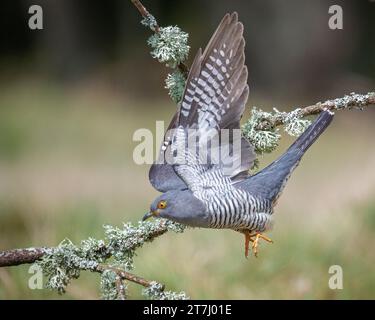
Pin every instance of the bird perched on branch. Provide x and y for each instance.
(199, 188)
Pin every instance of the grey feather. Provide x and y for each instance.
(182, 207)
(163, 178)
(162, 175)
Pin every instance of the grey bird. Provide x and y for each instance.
(209, 194)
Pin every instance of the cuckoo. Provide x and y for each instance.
(215, 190)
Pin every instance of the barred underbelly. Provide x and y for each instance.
(239, 210)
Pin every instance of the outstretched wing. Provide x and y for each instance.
(217, 90)
(214, 99)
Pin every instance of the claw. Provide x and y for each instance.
(255, 241)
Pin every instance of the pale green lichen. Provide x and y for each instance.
(169, 45)
(352, 100)
(297, 127)
(122, 243)
(264, 141)
(175, 83)
(108, 285)
(267, 140)
(150, 22)
(63, 263)
(156, 292)
(294, 125)
(94, 249)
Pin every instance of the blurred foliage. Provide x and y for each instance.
(289, 45)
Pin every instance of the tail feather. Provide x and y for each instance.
(312, 132)
(269, 182)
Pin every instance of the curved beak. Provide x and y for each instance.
(147, 215)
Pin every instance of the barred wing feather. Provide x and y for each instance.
(214, 99)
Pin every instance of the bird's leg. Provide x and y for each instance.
(248, 238)
(256, 242)
(254, 238)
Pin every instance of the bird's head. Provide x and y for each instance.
(180, 206)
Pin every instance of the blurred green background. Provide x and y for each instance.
(72, 95)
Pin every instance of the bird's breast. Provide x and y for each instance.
(238, 209)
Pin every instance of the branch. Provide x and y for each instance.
(64, 262)
(16, 257)
(145, 14)
(262, 128)
(350, 101)
(150, 21)
(124, 275)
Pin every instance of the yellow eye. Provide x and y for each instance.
(162, 204)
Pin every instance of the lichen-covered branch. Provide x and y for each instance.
(169, 46)
(146, 15)
(349, 101)
(111, 257)
(262, 127)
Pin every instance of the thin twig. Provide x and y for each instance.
(347, 102)
(121, 292)
(124, 275)
(145, 13)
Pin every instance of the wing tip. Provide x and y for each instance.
(234, 16)
(230, 20)
(234, 19)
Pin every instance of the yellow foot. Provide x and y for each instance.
(247, 240)
(256, 242)
(249, 237)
